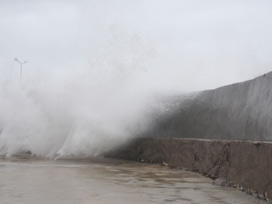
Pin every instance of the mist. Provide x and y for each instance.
(96, 68)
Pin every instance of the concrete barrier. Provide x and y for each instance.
(246, 165)
(241, 111)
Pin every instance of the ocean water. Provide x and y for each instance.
(101, 181)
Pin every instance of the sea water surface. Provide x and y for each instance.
(101, 181)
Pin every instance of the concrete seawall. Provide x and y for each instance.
(245, 165)
(241, 111)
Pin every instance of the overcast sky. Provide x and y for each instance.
(181, 45)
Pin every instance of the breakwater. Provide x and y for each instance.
(230, 136)
(245, 165)
(240, 111)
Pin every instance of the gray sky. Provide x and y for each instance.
(179, 45)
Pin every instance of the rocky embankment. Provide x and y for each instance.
(240, 164)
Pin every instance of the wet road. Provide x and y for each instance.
(101, 181)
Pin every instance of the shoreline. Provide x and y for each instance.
(244, 165)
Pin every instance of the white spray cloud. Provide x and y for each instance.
(84, 112)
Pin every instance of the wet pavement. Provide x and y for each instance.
(101, 181)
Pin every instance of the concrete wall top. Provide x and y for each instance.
(241, 111)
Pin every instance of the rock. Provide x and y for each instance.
(220, 182)
(164, 164)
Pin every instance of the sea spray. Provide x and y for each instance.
(83, 112)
